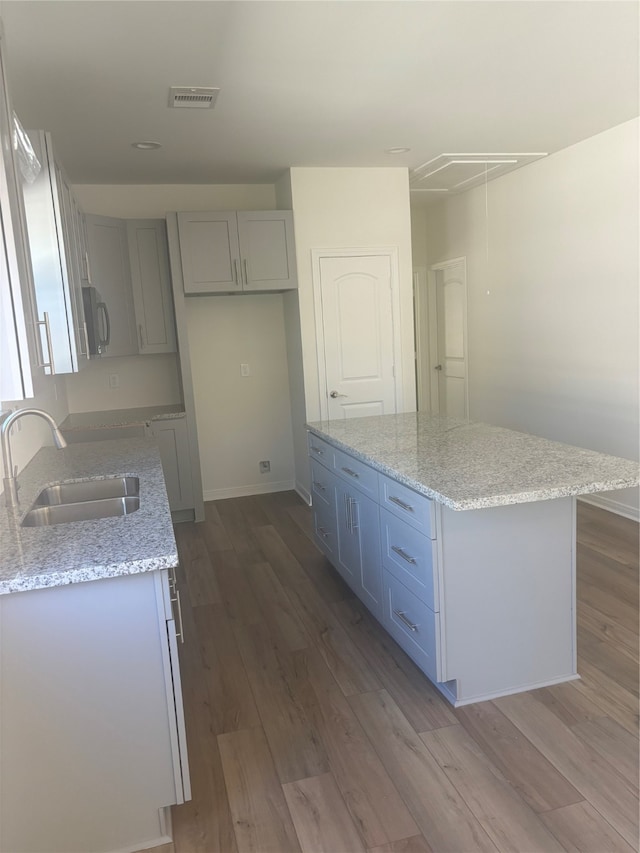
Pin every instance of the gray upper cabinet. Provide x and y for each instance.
(109, 272)
(54, 261)
(151, 284)
(210, 252)
(236, 251)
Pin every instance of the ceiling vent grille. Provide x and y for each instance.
(192, 97)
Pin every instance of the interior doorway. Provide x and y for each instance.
(441, 338)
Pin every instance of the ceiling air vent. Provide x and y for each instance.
(193, 97)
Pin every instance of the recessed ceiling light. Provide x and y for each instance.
(397, 150)
(146, 146)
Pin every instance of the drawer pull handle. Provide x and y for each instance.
(317, 450)
(401, 504)
(317, 485)
(324, 533)
(351, 473)
(180, 631)
(402, 553)
(403, 618)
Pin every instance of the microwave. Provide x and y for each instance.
(96, 315)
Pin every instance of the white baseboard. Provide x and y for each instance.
(304, 494)
(609, 504)
(246, 491)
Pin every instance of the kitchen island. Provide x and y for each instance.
(460, 538)
(92, 723)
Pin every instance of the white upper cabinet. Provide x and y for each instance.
(54, 259)
(235, 251)
(18, 348)
(109, 273)
(151, 283)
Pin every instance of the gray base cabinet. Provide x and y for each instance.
(482, 600)
(172, 438)
(92, 723)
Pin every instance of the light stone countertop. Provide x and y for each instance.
(467, 465)
(143, 541)
(121, 417)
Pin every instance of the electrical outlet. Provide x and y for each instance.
(114, 381)
(245, 370)
(265, 466)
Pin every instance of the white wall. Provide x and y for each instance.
(349, 208)
(29, 434)
(241, 420)
(145, 380)
(553, 306)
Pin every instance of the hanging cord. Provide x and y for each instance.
(486, 220)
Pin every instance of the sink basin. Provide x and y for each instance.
(89, 490)
(87, 510)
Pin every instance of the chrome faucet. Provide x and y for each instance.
(10, 478)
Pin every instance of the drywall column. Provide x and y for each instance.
(348, 208)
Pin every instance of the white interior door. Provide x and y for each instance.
(450, 327)
(356, 336)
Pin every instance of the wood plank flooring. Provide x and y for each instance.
(310, 730)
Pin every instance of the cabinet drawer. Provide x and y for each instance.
(356, 473)
(322, 488)
(324, 530)
(413, 626)
(411, 557)
(415, 509)
(320, 450)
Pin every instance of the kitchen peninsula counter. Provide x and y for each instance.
(49, 556)
(467, 465)
(460, 538)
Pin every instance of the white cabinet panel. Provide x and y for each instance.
(86, 688)
(151, 283)
(230, 252)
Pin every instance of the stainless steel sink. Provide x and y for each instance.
(87, 510)
(89, 490)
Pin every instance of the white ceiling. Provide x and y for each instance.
(314, 83)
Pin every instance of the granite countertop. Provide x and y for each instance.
(467, 465)
(38, 557)
(121, 417)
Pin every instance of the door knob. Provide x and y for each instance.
(335, 394)
(438, 367)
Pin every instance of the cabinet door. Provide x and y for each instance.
(151, 284)
(109, 272)
(51, 261)
(210, 252)
(18, 344)
(267, 249)
(358, 533)
(173, 442)
(73, 253)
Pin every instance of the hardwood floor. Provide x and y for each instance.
(310, 730)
